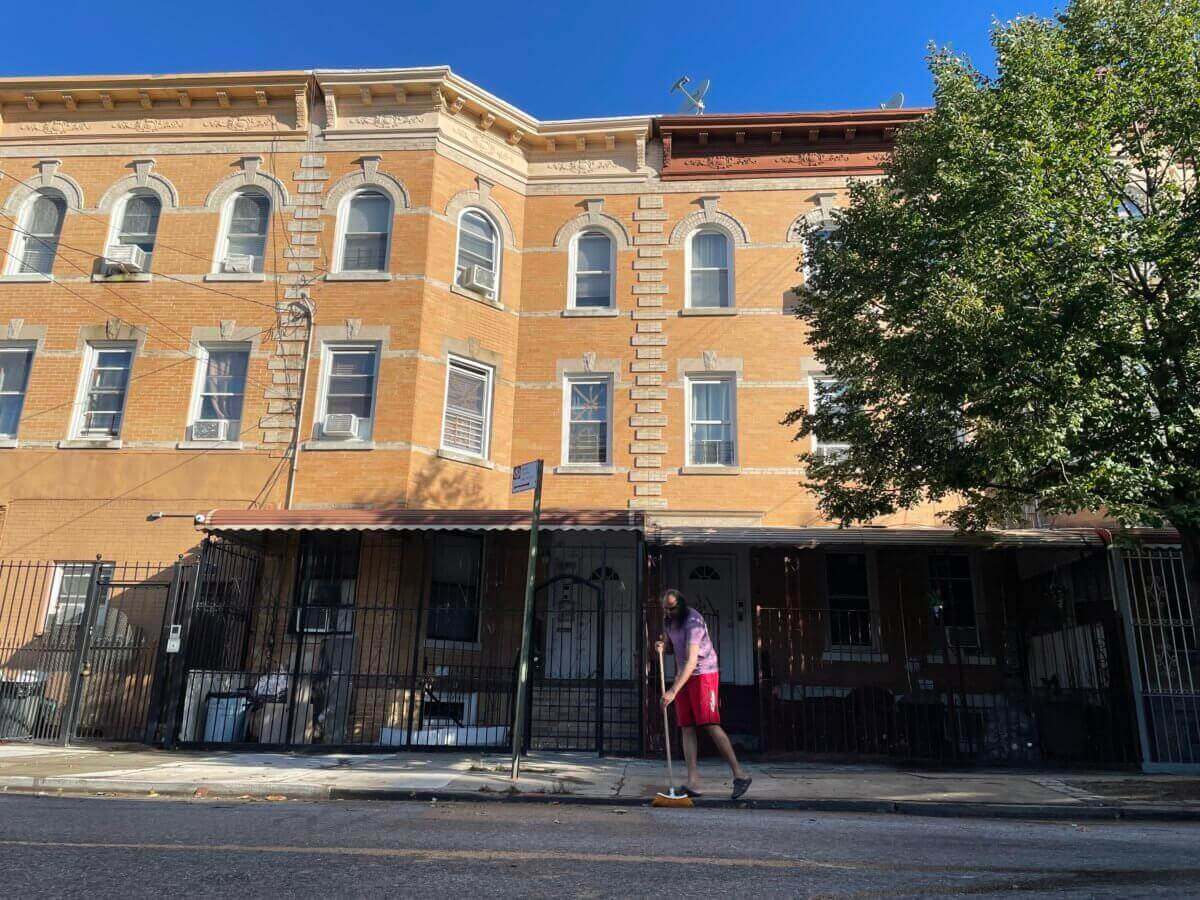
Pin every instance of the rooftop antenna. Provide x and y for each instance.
(693, 101)
(896, 101)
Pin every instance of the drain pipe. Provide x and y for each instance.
(302, 307)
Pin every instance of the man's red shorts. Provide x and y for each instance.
(699, 702)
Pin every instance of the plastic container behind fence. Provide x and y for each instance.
(225, 718)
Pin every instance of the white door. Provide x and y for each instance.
(574, 611)
(710, 585)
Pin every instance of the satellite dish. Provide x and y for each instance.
(896, 101)
(693, 101)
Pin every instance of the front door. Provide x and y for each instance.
(577, 613)
(710, 584)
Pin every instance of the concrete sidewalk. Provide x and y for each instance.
(583, 778)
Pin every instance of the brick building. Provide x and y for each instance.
(329, 311)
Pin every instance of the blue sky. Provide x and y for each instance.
(553, 60)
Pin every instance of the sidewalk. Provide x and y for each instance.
(582, 778)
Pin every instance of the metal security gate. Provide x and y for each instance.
(1162, 616)
(1038, 676)
(81, 645)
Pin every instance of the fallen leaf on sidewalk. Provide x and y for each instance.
(276, 797)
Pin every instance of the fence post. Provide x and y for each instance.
(83, 642)
(1120, 589)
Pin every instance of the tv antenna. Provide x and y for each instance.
(693, 101)
(896, 101)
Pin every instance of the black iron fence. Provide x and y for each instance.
(83, 647)
(413, 643)
(1040, 683)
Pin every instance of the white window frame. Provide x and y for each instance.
(81, 396)
(568, 382)
(60, 570)
(819, 446)
(854, 652)
(729, 378)
(30, 348)
(21, 236)
(489, 372)
(573, 269)
(118, 218)
(826, 226)
(497, 263)
(971, 656)
(221, 252)
(198, 383)
(687, 260)
(343, 219)
(328, 350)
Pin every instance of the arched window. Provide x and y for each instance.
(704, 572)
(246, 232)
(478, 258)
(708, 270)
(366, 230)
(592, 278)
(137, 222)
(823, 231)
(37, 242)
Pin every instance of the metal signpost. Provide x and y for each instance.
(527, 476)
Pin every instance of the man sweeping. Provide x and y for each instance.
(696, 689)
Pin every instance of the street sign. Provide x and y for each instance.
(525, 476)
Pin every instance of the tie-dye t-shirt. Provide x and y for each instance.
(691, 630)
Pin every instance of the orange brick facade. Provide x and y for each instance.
(437, 145)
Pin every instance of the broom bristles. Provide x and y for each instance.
(672, 799)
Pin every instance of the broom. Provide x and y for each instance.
(670, 798)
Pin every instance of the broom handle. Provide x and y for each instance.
(662, 682)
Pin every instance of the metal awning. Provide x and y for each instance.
(687, 535)
(221, 520)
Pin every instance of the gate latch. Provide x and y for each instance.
(174, 638)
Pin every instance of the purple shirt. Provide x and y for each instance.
(691, 630)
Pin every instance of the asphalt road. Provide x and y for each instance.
(111, 847)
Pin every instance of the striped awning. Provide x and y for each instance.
(219, 520)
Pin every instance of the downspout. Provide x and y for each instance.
(302, 307)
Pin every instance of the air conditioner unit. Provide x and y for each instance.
(340, 425)
(479, 278)
(127, 258)
(210, 430)
(321, 619)
(239, 263)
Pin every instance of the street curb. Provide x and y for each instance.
(258, 791)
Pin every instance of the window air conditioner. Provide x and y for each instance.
(210, 430)
(127, 258)
(340, 425)
(239, 262)
(479, 278)
(322, 620)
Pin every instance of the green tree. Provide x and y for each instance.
(1013, 309)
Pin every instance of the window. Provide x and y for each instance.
(825, 391)
(220, 392)
(709, 273)
(15, 361)
(69, 592)
(592, 285)
(952, 598)
(478, 258)
(588, 416)
(454, 595)
(366, 229)
(710, 422)
(246, 233)
(36, 244)
(348, 394)
(326, 582)
(825, 232)
(105, 387)
(849, 600)
(139, 223)
(465, 426)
